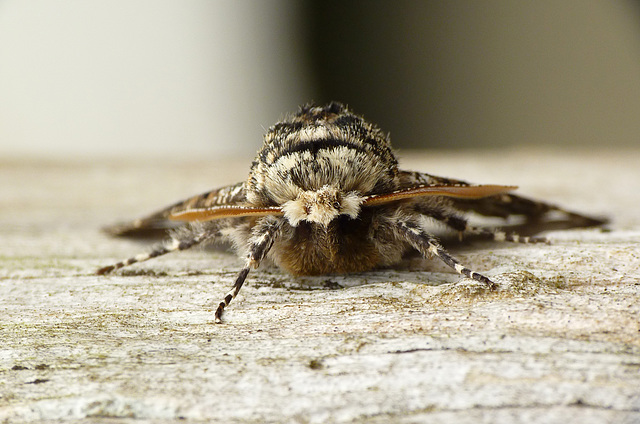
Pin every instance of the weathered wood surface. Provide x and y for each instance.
(559, 342)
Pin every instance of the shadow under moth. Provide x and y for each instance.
(325, 195)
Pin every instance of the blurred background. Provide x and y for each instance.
(113, 78)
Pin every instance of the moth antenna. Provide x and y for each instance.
(456, 191)
(226, 211)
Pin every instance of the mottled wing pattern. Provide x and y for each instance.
(159, 221)
(412, 178)
(502, 205)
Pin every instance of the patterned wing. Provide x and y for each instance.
(157, 223)
(501, 205)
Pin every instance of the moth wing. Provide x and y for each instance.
(501, 205)
(158, 222)
(411, 179)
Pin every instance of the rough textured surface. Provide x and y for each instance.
(559, 342)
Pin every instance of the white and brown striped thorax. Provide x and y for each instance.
(321, 149)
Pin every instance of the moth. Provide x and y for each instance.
(325, 195)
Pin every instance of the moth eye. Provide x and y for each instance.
(336, 205)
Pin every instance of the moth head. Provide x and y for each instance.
(321, 206)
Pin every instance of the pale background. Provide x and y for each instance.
(205, 78)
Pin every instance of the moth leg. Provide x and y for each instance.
(264, 234)
(499, 235)
(429, 246)
(461, 225)
(175, 243)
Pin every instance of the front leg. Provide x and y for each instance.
(407, 230)
(263, 234)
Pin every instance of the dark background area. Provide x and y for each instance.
(492, 73)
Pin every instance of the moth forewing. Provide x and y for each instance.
(219, 212)
(457, 191)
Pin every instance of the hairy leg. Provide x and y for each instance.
(429, 246)
(461, 225)
(264, 233)
(179, 241)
